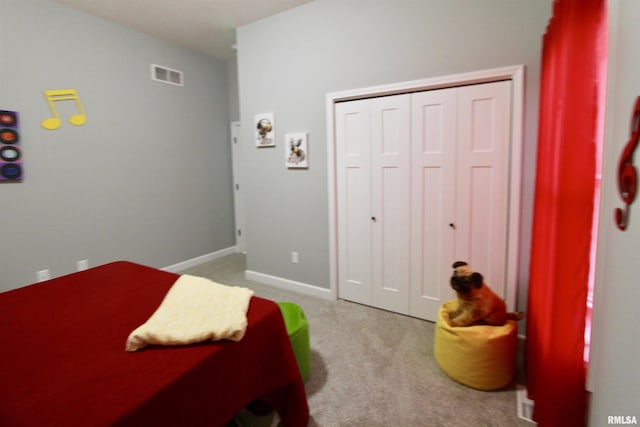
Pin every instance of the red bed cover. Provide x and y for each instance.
(63, 363)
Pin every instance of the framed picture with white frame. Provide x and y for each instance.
(265, 130)
(296, 150)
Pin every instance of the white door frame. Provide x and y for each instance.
(238, 189)
(513, 73)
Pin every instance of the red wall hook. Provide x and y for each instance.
(627, 173)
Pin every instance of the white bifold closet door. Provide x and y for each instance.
(422, 181)
(374, 163)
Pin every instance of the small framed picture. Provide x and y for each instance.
(265, 130)
(296, 150)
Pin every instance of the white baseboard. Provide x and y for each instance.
(289, 285)
(525, 406)
(194, 262)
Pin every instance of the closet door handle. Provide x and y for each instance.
(373, 218)
(452, 225)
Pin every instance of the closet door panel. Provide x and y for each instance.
(484, 123)
(433, 133)
(353, 136)
(422, 181)
(390, 214)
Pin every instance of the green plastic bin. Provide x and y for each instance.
(298, 331)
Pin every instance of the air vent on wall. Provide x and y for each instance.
(166, 75)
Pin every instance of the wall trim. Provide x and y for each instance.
(275, 281)
(194, 262)
(289, 285)
(516, 74)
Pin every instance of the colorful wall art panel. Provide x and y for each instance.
(10, 154)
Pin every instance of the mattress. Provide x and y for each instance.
(63, 360)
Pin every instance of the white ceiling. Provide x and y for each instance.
(207, 26)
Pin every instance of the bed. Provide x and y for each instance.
(63, 360)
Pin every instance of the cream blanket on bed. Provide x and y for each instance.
(195, 309)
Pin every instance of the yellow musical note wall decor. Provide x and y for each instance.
(52, 96)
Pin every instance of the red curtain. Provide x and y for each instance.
(569, 143)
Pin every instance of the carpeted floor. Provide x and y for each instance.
(373, 368)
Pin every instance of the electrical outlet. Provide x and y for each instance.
(295, 258)
(82, 265)
(43, 275)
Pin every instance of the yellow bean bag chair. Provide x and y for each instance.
(480, 356)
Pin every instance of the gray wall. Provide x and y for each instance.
(614, 375)
(147, 179)
(289, 62)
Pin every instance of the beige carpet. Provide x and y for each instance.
(373, 368)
